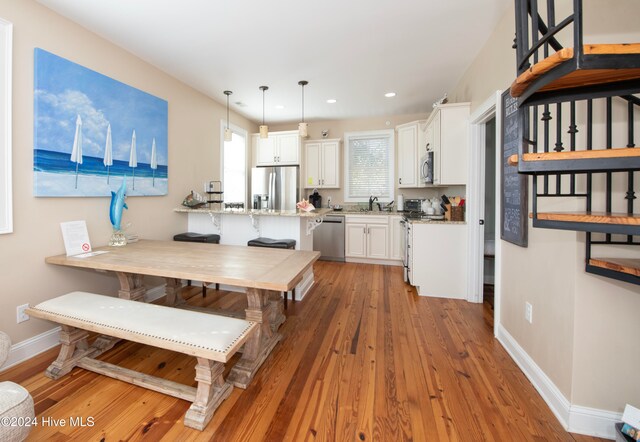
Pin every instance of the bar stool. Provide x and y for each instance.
(276, 244)
(209, 238)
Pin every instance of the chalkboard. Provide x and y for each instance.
(515, 195)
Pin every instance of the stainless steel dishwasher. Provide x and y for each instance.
(328, 238)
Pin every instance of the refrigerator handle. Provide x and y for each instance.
(272, 190)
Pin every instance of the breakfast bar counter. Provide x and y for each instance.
(238, 226)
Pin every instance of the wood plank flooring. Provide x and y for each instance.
(363, 358)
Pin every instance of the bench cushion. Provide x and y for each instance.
(199, 334)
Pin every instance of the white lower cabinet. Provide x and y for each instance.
(438, 259)
(367, 236)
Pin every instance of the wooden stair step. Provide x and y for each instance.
(603, 222)
(578, 77)
(600, 160)
(622, 265)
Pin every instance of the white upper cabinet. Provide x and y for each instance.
(279, 149)
(322, 164)
(447, 134)
(411, 148)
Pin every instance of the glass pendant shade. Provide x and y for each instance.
(303, 130)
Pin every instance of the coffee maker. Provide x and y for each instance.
(315, 199)
(260, 201)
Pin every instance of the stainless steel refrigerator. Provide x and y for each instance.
(275, 188)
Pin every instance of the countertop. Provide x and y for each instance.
(299, 213)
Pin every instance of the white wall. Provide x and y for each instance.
(194, 138)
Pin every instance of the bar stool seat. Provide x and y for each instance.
(273, 243)
(197, 237)
(276, 244)
(210, 238)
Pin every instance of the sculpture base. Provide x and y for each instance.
(118, 239)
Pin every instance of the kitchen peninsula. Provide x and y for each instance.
(237, 227)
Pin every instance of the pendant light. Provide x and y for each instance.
(303, 128)
(264, 129)
(228, 134)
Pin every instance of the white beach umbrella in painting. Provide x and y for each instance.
(108, 152)
(133, 158)
(76, 152)
(154, 161)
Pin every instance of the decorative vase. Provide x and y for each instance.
(118, 239)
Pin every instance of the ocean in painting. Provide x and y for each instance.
(91, 132)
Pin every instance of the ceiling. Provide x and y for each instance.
(353, 51)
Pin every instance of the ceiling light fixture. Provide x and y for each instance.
(390, 94)
(303, 128)
(331, 100)
(228, 135)
(264, 129)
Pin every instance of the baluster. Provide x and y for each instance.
(573, 130)
(558, 147)
(631, 195)
(546, 117)
(609, 175)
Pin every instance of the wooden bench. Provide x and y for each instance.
(212, 339)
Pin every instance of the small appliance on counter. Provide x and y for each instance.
(316, 199)
(413, 205)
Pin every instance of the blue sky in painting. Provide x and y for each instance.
(64, 89)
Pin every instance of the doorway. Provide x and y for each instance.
(483, 206)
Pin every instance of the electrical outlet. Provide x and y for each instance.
(21, 316)
(528, 312)
(329, 202)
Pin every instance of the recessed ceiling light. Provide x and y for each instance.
(390, 94)
(279, 106)
(331, 100)
(241, 104)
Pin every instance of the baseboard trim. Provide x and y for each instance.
(574, 418)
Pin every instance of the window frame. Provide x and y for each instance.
(390, 134)
(247, 155)
(6, 202)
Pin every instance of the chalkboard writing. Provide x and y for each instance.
(515, 197)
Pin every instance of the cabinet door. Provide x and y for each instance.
(331, 164)
(377, 239)
(288, 149)
(265, 151)
(454, 141)
(395, 242)
(312, 162)
(355, 245)
(408, 156)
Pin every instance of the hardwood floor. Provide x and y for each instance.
(363, 358)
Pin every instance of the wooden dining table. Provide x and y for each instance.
(263, 272)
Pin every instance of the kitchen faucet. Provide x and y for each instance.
(371, 200)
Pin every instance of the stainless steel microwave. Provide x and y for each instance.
(426, 168)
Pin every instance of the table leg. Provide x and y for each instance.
(277, 312)
(172, 290)
(131, 286)
(261, 342)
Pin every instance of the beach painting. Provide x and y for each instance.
(92, 132)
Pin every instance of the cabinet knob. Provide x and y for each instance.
(399, 180)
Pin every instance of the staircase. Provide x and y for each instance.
(577, 115)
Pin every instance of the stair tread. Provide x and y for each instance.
(623, 152)
(623, 265)
(580, 77)
(590, 217)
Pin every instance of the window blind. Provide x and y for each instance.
(369, 167)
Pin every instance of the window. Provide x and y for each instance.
(234, 165)
(369, 165)
(6, 216)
